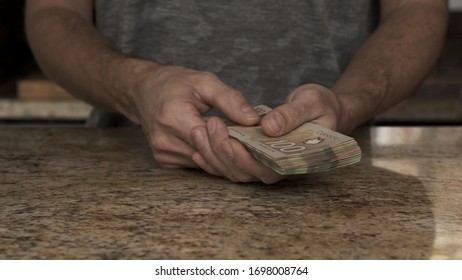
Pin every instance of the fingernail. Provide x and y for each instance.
(228, 149)
(249, 112)
(275, 122)
(198, 137)
(211, 126)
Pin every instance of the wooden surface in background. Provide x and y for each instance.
(39, 98)
(38, 86)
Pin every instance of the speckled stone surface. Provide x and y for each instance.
(80, 193)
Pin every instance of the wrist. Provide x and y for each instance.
(348, 119)
(132, 73)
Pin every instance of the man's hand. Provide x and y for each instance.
(307, 103)
(220, 155)
(170, 101)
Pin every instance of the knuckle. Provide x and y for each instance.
(166, 119)
(313, 95)
(233, 95)
(210, 170)
(241, 178)
(167, 124)
(163, 115)
(168, 166)
(270, 179)
(299, 113)
(247, 179)
(292, 115)
(159, 144)
(165, 162)
(158, 158)
(235, 180)
(209, 75)
(206, 77)
(232, 178)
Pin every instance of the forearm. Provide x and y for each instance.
(392, 62)
(73, 53)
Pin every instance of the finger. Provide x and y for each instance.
(173, 161)
(303, 105)
(172, 152)
(285, 118)
(240, 165)
(208, 159)
(246, 167)
(216, 153)
(324, 105)
(230, 101)
(179, 121)
(204, 165)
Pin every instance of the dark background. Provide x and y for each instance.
(15, 57)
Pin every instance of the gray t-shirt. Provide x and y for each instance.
(263, 48)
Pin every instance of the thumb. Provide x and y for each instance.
(308, 103)
(284, 119)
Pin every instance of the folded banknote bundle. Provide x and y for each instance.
(307, 149)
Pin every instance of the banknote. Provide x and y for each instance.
(307, 149)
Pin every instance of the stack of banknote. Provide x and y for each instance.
(307, 149)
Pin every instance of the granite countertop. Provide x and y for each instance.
(80, 193)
